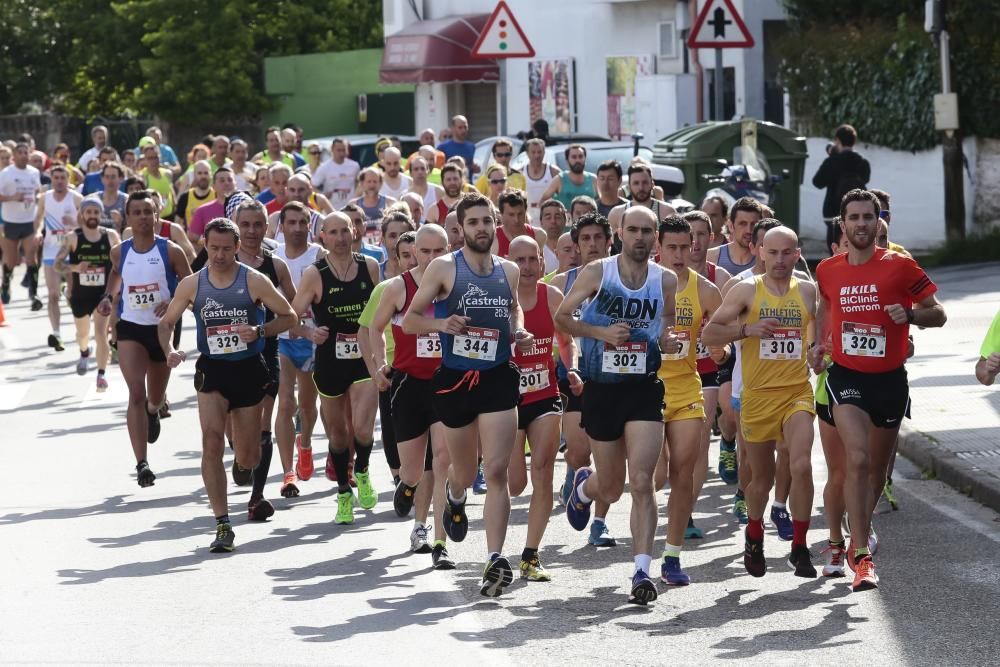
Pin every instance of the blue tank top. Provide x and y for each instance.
(568, 190)
(487, 301)
(561, 371)
(218, 310)
(726, 262)
(641, 309)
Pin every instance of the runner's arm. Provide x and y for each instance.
(586, 285)
(178, 260)
(68, 246)
(388, 306)
(40, 213)
(431, 287)
(261, 289)
(183, 297)
(929, 313)
(724, 327)
(552, 190)
(180, 237)
(987, 368)
(568, 353)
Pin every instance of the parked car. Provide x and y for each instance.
(363, 146)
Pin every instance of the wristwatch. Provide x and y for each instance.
(260, 330)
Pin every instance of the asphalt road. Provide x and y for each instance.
(101, 571)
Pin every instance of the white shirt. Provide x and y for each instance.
(244, 179)
(389, 191)
(91, 153)
(336, 181)
(25, 182)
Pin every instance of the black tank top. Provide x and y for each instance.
(98, 255)
(342, 302)
(267, 268)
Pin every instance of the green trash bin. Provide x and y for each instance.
(696, 149)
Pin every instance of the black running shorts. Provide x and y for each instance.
(570, 401)
(607, 407)
(145, 335)
(242, 382)
(884, 396)
(532, 411)
(461, 396)
(333, 377)
(412, 403)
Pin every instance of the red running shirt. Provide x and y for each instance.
(537, 368)
(418, 356)
(503, 243)
(865, 338)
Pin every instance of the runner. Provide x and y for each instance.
(111, 196)
(228, 299)
(335, 289)
(145, 271)
(552, 219)
(20, 184)
(716, 209)
(278, 175)
(456, 236)
(609, 182)
(157, 178)
(514, 222)
(414, 206)
(592, 235)
(627, 321)
(243, 171)
(575, 182)
(567, 256)
(296, 356)
(697, 298)
(429, 193)
(502, 152)
(475, 389)
(538, 174)
(223, 185)
(193, 198)
(394, 182)
(250, 217)
(372, 202)
(357, 216)
(640, 185)
(451, 182)
(771, 315)
(335, 177)
(581, 206)
(86, 254)
(406, 373)
(540, 409)
(57, 217)
(869, 297)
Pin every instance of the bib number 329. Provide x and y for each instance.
(627, 359)
(224, 340)
(477, 343)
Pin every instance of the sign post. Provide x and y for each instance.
(500, 39)
(719, 26)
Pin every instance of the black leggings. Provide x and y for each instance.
(388, 431)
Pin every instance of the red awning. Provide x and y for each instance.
(438, 51)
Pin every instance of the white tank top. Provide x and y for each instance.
(430, 199)
(297, 266)
(551, 260)
(55, 229)
(535, 189)
(147, 280)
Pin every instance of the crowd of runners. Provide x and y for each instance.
(486, 320)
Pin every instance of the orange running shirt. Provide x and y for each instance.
(865, 338)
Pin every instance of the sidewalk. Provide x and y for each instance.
(955, 430)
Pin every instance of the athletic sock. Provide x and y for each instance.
(263, 466)
(839, 544)
(491, 555)
(739, 495)
(7, 275)
(728, 445)
(33, 279)
(642, 562)
(799, 528)
(453, 499)
(755, 529)
(340, 461)
(598, 520)
(362, 454)
(777, 505)
(101, 371)
(528, 554)
(859, 553)
(671, 551)
(439, 543)
(85, 353)
(584, 498)
(222, 519)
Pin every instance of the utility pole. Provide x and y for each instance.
(946, 120)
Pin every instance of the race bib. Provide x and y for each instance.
(224, 340)
(477, 343)
(534, 377)
(347, 346)
(429, 346)
(627, 359)
(783, 345)
(863, 340)
(684, 338)
(701, 350)
(92, 277)
(143, 297)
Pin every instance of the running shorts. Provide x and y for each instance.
(607, 407)
(763, 414)
(461, 396)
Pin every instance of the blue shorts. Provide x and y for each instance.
(300, 351)
(735, 401)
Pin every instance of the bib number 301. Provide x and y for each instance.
(533, 378)
(627, 359)
(477, 343)
(863, 340)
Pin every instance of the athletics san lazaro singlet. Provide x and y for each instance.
(569, 190)
(147, 280)
(486, 300)
(339, 308)
(682, 366)
(219, 310)
(93, 281)
(418, 356)
(641, 309)
(779, 361)
(536, 368)
(726, 262)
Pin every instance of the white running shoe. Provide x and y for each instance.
(418, 539)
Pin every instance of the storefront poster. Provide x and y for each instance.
(550, 93)
(621, 72)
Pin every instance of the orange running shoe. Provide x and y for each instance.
(304, 466)
(288, 488)
(865, 578)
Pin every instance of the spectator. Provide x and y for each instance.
(168, 158)
(988, 365)
(503, 151)
(99, 135)
(459, 144)
(843, 170)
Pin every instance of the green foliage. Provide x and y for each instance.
(870, 63)
(977, 247)
(188, 61)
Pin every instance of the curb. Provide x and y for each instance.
(949, 468)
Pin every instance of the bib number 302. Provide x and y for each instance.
(627, 359)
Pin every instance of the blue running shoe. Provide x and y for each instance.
(577, 511)
(783, 522)
(671, 572)
(456, 524)
(567, 486)
(740, 509)
(728, 464)
(643, 589)
(600, 536)
(479, 484)
(693, 532)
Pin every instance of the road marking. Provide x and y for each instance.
(982, 528)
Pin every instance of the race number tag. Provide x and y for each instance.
(783, 345)
(347, 346)
(627, 359)
(477, 343)
(684, 338)
(224, 340)
(863, 340)
(144, 297)
(92, 277)
(429, 346)
(534, 377)
(701, 350)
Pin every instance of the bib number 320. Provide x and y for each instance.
(863, 340)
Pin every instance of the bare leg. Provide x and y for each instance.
(543, 434)
(496, 433)
(134, 362)
(833, 492)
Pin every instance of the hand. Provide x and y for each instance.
(993, 364)
(762, 328)
(616, 334)
(69, 221)
(718, 353)
(670, 343)
(524, 340)
(454, 324)
(319, 336)
(116, 217)
(897, 313)
(575, 383)
(247, 333)
(175, 358)
(816, 356)
(104, 306)
(82, 266)
(160, 309)
(381, 377)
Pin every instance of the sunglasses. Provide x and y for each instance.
(502, 154)
(313, 152)
(884, 215)
(498, 181)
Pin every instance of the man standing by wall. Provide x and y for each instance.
(843, 170)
